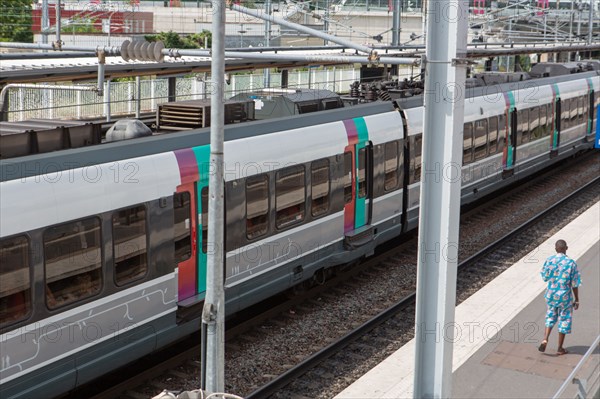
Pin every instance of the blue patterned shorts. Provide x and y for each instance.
(564, 317)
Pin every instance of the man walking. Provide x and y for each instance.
(562, 276)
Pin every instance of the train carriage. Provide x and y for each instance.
(103, 249)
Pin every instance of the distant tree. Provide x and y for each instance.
(15, 21)
(525, 62)
(80, 25)
(175, 40)
(170, 39)
(200, 38)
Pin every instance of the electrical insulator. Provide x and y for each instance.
(142, 51)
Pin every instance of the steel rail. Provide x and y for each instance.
(571, 378)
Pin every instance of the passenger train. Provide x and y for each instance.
(103, 249)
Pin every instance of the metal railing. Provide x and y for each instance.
(27, 103)
(587, 384)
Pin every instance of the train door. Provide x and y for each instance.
(556, 115)
(591, 108)
(185, 230)
(358, 184)
(191, 211)
(555, 136)
(509, 155)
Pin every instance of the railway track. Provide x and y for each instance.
(316, 369)
(382, 330)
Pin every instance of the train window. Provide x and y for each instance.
(182, 226)
(550, 119)
(319, 187)
(400, 162)
(391, 166)
(418, 150)
(534, 123)
(543, 121)
(347, 177)
(580, 109)
(290, 196)
(501, 132)
(480, 138)
(72, 261)
(565, 114)
(467, 143)
(15, 285)
(204, 217)
(573, 112)
(257, 206)
(362, 167)
(523, 126)
(492, 135)
(129, 239)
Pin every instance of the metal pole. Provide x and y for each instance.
(510, 34)
(348, 59)
(571, 20)
(326, 22)
(556, 55)
(424, 27)
(58, 42)
(45, 21)
(109, 21)
(302, 28)
(591, 22)
(213, 315)
(396, 23)
(577, 57)
(114, 50)
(101, 72)
(107, 109)
(138, 97)
(267, 71)
(439, 210)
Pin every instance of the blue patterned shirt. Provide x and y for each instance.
(562, 275)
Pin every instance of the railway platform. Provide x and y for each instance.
(499, 328)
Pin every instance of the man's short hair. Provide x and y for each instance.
(560, 245)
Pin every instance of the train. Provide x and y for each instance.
(103, 249)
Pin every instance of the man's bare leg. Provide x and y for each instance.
(561, 340)
(542, 347)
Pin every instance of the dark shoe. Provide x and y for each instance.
(542, 347)
(561, 352)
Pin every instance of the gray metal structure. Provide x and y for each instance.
(58, 42)
(303, 29)
(396, 23)
(37, 136)
(213, 314)
(267, 72)
(5, 89)
(307, 58)
(439, 210)
(45, 21)
(586, 387)
(591, 23)
(275, 103)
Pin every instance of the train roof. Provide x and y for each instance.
(492, 90)
(32, 165)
